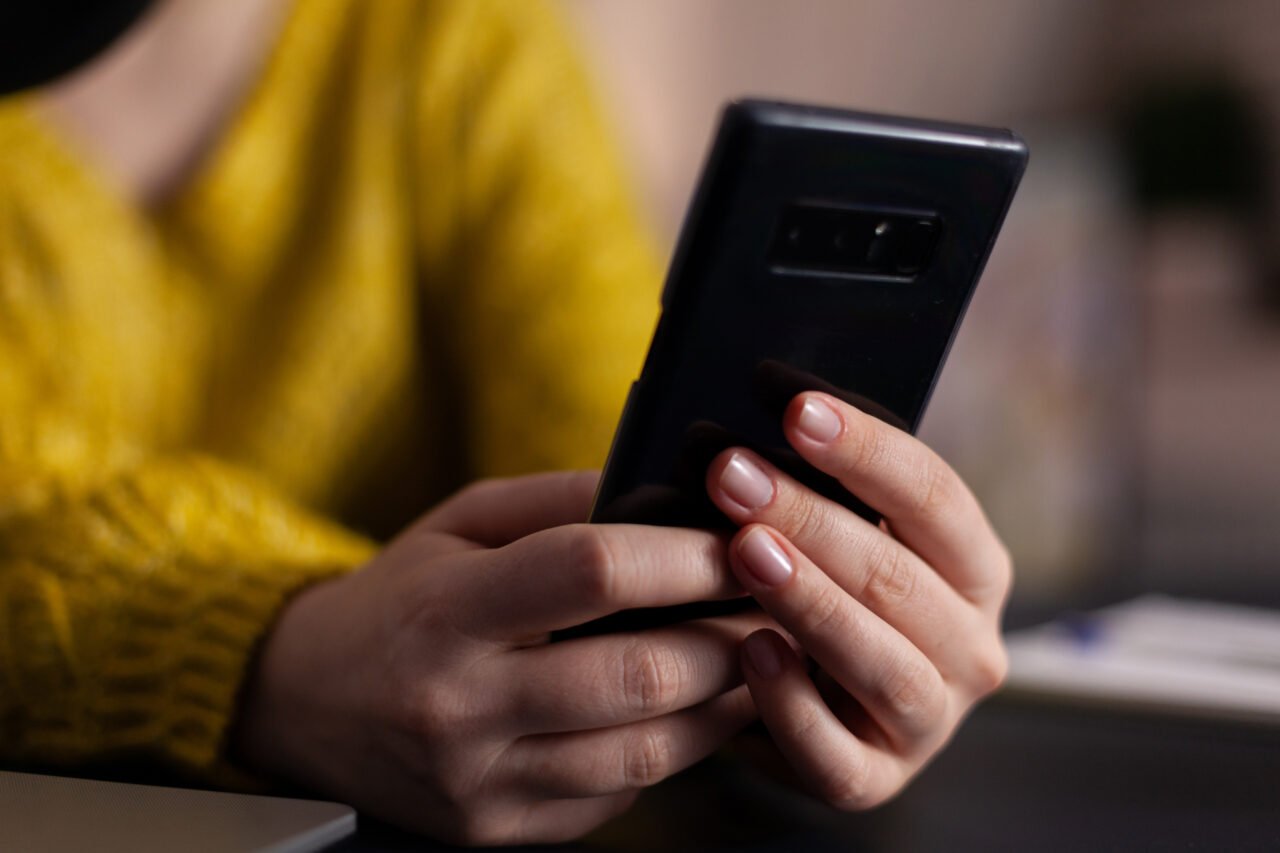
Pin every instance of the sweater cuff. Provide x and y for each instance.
(139, 612)
(210, 663)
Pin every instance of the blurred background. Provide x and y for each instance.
(1114, 394)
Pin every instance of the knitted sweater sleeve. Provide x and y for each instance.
(553, 279)
(135, 582)
(130, 611)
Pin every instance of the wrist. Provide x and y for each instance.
(279, 710)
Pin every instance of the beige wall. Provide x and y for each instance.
(667, 65)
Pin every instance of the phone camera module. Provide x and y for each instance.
(915, 248)
(882, 238)
(817, 239)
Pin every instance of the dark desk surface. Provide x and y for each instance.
(1018, 776)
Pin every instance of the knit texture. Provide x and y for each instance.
(408, 261)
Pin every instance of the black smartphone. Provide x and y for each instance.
(824, 249)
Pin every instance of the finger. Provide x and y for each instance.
(842, 769)
(557, 821)
(569, 575)
(925, 502)
(899, 687)
(498, 511)
(610, 680)
(634, 756)
(862, 558)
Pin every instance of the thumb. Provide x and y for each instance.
(499, 511)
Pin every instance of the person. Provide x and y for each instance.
(274, 279)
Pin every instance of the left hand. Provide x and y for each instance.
(903, 618)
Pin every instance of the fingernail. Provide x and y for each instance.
(745, 484)
(764, 558)
(763, 656)
(818, 421)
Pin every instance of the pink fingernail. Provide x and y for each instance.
(764, 558)
(763, 656)
(745, 484)
(818, 421)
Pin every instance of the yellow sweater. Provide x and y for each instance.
(408, 261)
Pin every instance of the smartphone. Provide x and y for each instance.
(824, 249)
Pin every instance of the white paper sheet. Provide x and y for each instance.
(1157, 653)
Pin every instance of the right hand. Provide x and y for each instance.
(423, 690)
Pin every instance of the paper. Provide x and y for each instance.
(1157, 653)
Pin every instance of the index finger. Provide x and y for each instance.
(927, 505)
(498, 511)
(565, 576)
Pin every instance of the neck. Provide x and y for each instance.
(149, 109)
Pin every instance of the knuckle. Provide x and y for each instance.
(865, 449)
(435, 714)
(1004, 569)
(593, 564)
(429, 714)
(808, 519)
(847, 787)
(993, 590)
(891, 577)
(453, 788)
(450, 708)
(991, 668)
(652, 676)
(935, 493)
(646, 760)
(825, 614)
(869, 798)
(807, 724)
(913, 692)
(990, 588)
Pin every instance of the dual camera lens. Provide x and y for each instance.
(812, 238)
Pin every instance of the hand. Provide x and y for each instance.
(903, 618)
(423, 690)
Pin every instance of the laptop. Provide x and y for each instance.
(51, 814)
